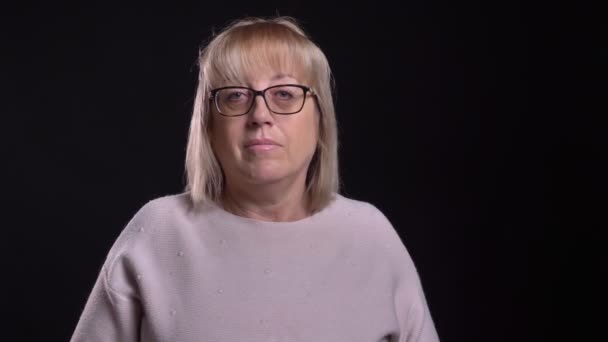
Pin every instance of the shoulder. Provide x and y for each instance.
(155, 215)
(156, 223)
(371, 224)
(362, 211)
(164, 207)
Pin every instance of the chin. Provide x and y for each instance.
(262, 174)
(265, 178)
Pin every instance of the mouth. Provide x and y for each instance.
(263, 144)
(262, 147)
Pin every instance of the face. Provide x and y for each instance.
(294, 136)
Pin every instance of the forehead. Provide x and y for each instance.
(263, 79)
(253, 74)
(258, 60)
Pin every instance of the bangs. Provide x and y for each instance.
(260, 49)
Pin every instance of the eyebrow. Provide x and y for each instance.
(273, 78)
(280, 76)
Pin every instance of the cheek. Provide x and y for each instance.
(305, 134)
(224, 135)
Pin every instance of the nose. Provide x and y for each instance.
(260, 114)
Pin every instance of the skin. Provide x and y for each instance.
(267, 185)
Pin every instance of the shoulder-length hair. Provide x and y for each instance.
(279, 43)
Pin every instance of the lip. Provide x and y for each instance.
(259, 143)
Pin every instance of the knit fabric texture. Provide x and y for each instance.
(180, 274)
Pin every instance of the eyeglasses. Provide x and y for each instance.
(281, 99)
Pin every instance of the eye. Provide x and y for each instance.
(235, 95)
(284, 93)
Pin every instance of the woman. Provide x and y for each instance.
(260, 247)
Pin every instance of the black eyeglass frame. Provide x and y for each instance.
(262, 93)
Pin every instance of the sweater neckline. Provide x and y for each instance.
(219, 211)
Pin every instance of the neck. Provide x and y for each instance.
(275, 202)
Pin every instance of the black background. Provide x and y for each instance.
(452, 118)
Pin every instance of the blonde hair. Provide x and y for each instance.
(237, 50)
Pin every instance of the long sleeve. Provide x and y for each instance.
(113, 311)
(108, 315)
(415, 321)
(411, 308)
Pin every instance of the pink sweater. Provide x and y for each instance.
(179, 275)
